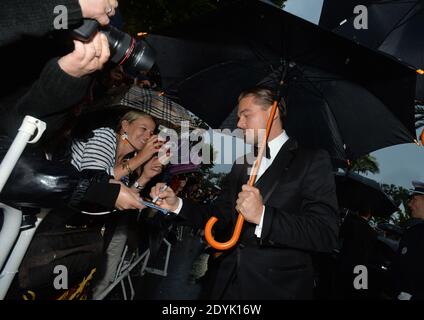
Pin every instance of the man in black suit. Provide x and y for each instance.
(291, 212)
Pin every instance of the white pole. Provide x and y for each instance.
(9, 232)
(14, 261)
(26, 131)
(12, 217)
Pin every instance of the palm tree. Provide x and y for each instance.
(366, 164)
(400, 196)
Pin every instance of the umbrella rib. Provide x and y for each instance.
(258, 54)
(334, 122)
(314, 90)
(399, 23)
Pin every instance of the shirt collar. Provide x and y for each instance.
(276, 143)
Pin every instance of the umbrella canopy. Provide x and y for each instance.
(395, 28)
(212, 93)
(356, 192)
(159, 106)
(179, 58)
(182, 62)
(271, 35)
(109, 111)
(327, 111)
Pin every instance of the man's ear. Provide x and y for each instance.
(277, 114)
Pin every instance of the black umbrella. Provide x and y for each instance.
(394, 27)
(179, 58)
(329, 112)
(182, 62)
(265, 35)
(358, 193)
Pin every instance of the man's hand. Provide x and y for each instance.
(127, 198)
(87, 57)
(99, 10)
(250, 204)
(167, 199)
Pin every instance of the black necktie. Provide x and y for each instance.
(267, 151)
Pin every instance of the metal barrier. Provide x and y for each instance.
(123, 273)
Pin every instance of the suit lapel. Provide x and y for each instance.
(265, 183)
(276, 169)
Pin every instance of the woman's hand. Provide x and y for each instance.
(152, 168)
(127, 198)
(151, 147)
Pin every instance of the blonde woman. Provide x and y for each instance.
(108, 150)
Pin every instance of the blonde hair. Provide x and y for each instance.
(133, 115)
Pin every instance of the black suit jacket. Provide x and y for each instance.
(301, 217)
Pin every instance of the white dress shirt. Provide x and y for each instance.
(274, 147)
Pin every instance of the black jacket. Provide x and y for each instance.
(301, 217)
(35, 85)
(409, 264)
(19, 18)
(48, 99)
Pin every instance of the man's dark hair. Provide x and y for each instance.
(265, 96)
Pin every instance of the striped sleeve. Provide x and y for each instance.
(97, 153)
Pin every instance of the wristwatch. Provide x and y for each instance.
(138, 186)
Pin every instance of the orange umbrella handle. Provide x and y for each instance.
(422, 137)
(223, 245)
(240, 219)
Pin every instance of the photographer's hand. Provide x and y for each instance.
(99, 10)
(87, 57)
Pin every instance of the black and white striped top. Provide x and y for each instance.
(97, 153)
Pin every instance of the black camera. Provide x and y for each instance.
(124, 50)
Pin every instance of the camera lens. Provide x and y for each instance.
(133, 56)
